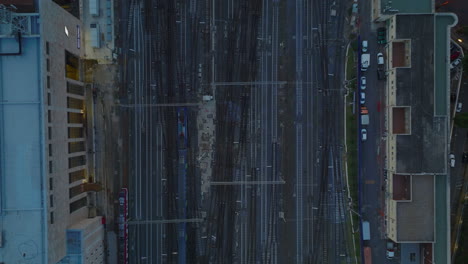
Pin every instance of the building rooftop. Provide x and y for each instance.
(415, 89)
(405, 6)
(416, 217)
(22, 172)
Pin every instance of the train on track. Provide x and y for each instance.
(123, 226)
(182, 146)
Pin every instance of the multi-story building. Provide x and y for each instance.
(45, 212)
(417, 125)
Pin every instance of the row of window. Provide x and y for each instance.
(72, 64)
(72, 163)
(73, 207)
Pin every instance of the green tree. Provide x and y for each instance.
(465, 64)
(461, 120)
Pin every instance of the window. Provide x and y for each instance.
(75, 89)
(51, 183)
(48, 82)
(72, 66)
(48, 64)
(75, 103)
(50, 166)
(51, 217)
(50, 150)
(74, 191)
(49, 116)
(76, 147)
(75, 118)
(48, 98)
(47, 47)
(76, 176)
(78, 204)
(76, 161)
(51, 198)
(50, 133)
(75, 132)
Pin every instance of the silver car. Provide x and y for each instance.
(363, 134)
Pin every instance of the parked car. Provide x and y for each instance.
(453, 97)
(381, 35)
(454, 55)
(380, 74)
(459, 107)
(363, 82)
(380, 58)
(455, 63)
(364, 110)
(390, 250)
(364, 45)
(465, 157)
(363, 98)
(452, 160)
(363, 134)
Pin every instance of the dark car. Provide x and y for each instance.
(465, 157)
(453, 97)
(381, 35)
(381, 74)
(454, 55)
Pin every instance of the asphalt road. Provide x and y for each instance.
(372, 152)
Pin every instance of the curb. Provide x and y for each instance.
(452, 123)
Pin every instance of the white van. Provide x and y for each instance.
(364, 46)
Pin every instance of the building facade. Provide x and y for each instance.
(43, 117)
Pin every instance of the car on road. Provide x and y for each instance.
(363, 98)
(364, 45)
(465, 157)
(381, 35)
(380, 74)
(364, 110)
(452, 160)
(459, 107)
(380, 58)
(455, 63)
(363, 82)
(390, 250)
(454, 55)
(363, 134)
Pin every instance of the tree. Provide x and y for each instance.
(465, 64)
(461, 120)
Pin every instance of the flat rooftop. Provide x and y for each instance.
(424, 149)
(405, 6)
(415, 218)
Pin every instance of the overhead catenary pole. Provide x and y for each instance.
(165, 221)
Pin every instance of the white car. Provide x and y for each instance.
(380, 58)
(363, 82)
(363, 98)
(459, 107)
(364, 45)
(390, 250)
(363, 134)
(452, 160)
(455, 63)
